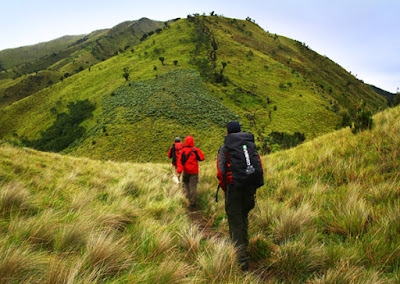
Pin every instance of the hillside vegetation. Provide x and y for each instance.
(69, 220)
(267, 82)
(328, 213)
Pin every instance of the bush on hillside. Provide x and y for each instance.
(286, 140)
(220, 78)
(143, 37)
(126, 73)
(345, 121)
(203, 66)
(276, 141)
(65, 129)
(363, 119)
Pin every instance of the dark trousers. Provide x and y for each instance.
(238, 203)
(190, 186)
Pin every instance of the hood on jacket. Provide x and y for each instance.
(189, 142)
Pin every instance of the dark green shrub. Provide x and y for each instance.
(203, 66)
(363, 119)
(220, 78)
(65, 129)
(126, 74)
(286, 140)
(143, 37)
(345, 122)
(276, 141)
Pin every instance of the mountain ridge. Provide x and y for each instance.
(271, 82)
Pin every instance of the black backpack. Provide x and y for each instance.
(173, 154)
(245, 162)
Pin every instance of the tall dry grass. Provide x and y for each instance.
(19, 263)
(328, 213)
(73, 220)
(341, 188)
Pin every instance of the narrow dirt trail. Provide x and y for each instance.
(205, 228)
(204, 225)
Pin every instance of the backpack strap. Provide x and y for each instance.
(187, 157)
(216, 195)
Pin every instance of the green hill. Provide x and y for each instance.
(13, 57)
(328, 213)
(234, 68)
(45, 64)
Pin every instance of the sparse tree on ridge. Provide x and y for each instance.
(126, 74)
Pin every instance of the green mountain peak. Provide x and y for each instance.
(187, 77)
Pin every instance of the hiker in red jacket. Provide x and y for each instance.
(187, 163)
(175, 151)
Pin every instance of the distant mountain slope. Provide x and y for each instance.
(55, 60)
(12, 57)
(387, 95)
(269, 82)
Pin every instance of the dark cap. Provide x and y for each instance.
(233, 127)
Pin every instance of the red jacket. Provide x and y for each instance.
(187, 161)
(174, 152)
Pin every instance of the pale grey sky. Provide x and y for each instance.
(361, 36)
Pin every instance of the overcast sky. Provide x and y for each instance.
(362, 36)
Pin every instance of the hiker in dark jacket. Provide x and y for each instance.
(188, 164)
(240, 173)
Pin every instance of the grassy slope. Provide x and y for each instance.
(70, 220)
(17, 89)
(329, 211)
(261, 75)
(256, 76)
(319, 74)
